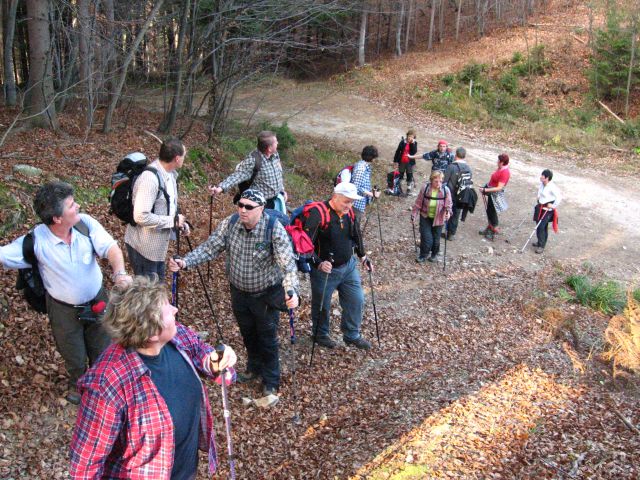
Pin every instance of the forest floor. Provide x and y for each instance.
(483, 370)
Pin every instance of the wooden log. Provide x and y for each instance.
(611, 112)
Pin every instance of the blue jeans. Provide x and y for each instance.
(143, 266)
(429, 237)
(346, 279)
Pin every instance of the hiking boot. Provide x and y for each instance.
(535, 244)
(266, 391)
(73, 397)
(360, 343)
(432, 259)
(246, 377)
(421, 259)
(539, 250)
(326, 342)
(484, 232)
(450, 236)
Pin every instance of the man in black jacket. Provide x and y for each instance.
(457, 176)
(335, 232)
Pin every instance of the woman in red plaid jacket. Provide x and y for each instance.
(144, 411)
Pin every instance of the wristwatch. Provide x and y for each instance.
(117, 274)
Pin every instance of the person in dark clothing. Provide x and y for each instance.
(452, 177)
(546, 209)
(440, 158)
(401, 159)
(262, 271)
(335, 268)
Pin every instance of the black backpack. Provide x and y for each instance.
(122, 181)
(29, 279)
(257, 165)
(464, 182)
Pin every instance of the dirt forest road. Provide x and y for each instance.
(599, 215)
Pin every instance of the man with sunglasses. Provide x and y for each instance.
(262, 272)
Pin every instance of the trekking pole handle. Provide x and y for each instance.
(219, 349)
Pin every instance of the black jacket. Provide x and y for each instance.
(413, 148)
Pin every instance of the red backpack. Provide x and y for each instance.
(338, 178)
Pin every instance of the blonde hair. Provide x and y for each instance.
(134, 313)
(436, 174)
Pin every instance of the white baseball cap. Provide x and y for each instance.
(347, 189)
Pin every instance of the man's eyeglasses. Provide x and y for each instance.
(248, 208)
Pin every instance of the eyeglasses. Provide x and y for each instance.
(248, 208)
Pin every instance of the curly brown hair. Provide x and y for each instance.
(134, 313)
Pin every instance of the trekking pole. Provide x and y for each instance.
(534, 230)
(227, 414)
(445, 246)
(415, 240)
(206, 294)
(210, 230)
(176, 275)
(373, 299)
(292, 335)
(375, 189)
(315, 330)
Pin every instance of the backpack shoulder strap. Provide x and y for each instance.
(257, 164)
(28, 249)
(83, 228)
(161, 185)
(325, 215)
(268, 233)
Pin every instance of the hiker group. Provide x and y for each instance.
(135, 370)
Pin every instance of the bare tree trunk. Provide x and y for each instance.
(10, 94)
(123, 70)
(441, 22)
(458, 20)
(41, 106)
(407, 33)
(399, 29)
(379, 39)
(170, 119)
(633, 54)
(432, 22)
(362, 38)
(84, 46)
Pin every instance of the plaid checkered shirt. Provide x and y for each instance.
(268, 179)
(123, 428)
(361, 178)
(151, 236)
(253, 262)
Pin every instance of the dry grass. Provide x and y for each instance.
(623, 337)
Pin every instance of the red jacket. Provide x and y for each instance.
(123, 428)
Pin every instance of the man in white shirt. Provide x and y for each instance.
(546, 209)
(156, 215)
(66, 260)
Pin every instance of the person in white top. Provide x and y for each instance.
(545, 211)
(72, 278)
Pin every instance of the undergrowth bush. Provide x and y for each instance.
(605, 296)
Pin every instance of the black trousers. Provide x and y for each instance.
(257, 315)
(492, 214)
(542, 232)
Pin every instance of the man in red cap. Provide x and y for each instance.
(441, 158)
